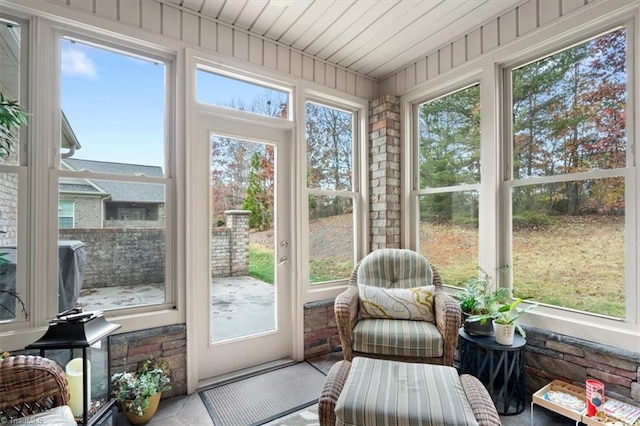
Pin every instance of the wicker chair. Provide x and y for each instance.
(446, 309)
(31, 385)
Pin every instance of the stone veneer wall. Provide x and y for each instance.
(165, 344)
(554, 356)
(320, 331)
(384, 172)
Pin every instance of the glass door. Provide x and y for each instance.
(244, 312)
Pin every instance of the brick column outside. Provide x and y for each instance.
(238, 223)
(384, 172)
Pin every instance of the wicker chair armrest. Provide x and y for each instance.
(31, 384)
(480, 401)
(331, 390)
(346, 311)
(447, 313)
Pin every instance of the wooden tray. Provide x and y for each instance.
(552, 395)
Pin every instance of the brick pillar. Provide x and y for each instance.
(384, 172)
(238, 223)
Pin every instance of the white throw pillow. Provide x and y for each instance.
(397, 303)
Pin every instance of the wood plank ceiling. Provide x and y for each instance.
(371, 37)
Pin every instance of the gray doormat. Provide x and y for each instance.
(264, 396)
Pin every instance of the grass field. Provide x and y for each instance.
(577, 263)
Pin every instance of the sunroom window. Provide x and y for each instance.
(13, 183)
(112, 173)
(568, 175)
(449, 183)
(330, 136)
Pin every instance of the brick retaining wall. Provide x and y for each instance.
(121, 257)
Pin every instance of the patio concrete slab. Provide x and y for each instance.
(241, 306)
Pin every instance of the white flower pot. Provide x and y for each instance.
(504, 333)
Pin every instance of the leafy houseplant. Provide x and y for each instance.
(478, 298)
(138, 392)
(505, 315)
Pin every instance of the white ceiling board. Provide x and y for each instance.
(319, 27)
(193, 4)
(388, 26)
(371, 37)
(231, 10)
(444, 17)
(212, 8)
(347, 27)
(251, 11)
(290, 16)
(265, 20)
(446, 33)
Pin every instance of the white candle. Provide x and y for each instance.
(74, 377)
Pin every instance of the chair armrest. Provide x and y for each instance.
(346, 310)
(31, 384)
(480, 401)
(447, 313)
(331, 390)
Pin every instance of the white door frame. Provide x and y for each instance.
(225, 357)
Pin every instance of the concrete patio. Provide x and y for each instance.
(240, 306)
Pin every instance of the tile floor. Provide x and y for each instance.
(189, 410)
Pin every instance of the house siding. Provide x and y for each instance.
(480, 41)
(190, 29)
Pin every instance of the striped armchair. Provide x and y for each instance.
(408, 340)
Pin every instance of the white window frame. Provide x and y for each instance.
(416, 191)
(359, 191)
(495, 205)
(40, 197)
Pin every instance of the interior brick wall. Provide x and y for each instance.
(384, 172)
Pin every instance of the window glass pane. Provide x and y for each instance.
(329, 134)
(9, 81)
(449, 234)
(449, 139)
(113, 107)
(568, 245)
(9, 286)
(569, 110)
(220, 90)
(113, 122)
(330, 238)
(115, 255)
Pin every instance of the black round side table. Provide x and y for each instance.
(500, 368)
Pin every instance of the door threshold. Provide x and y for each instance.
(248, 371)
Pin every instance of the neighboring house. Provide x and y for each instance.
(97, 203)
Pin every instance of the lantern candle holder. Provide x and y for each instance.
(79, 342)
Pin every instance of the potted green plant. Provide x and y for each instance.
(504, 320)
(478, 298)
(138, 393)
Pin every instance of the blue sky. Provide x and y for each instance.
(115, 103)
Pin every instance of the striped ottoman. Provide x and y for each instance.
(375, 392)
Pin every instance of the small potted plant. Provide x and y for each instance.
(504, 320)
(479, 298)
(138, 393)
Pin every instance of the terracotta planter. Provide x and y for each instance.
(475, 328)
(504, 333)
(147, 414)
